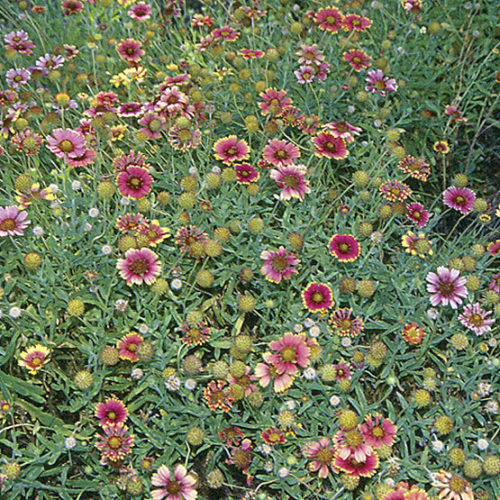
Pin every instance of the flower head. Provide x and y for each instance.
(344, 247)
(344, 324)
(377, 82)
(127, 346)
(293, 352)
(179, 485)
(34, 358)
(291, 180)
(330, 146)
(279, 264)
(115, 443)
(452, 486)
(111, 412)
(329, 19)
(134, 182)
(280, 153)
(322, 454)
(13, 222)
(461, 199)
(66, 143)
(413, 334)
(217, 394)
(139, 266)
(474, 318)
(378, 431)
(446, 287)
(317, 297)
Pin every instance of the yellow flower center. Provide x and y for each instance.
(289, 354)
(353, 438)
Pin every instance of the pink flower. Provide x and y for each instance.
(127, 346)
(280, 153)
(139, 266)
(355, 468)
(225, 33)
(322, 454)
(329, 19)
(344, 247)
(292, 352)
(394, 190)
(87, 157)
(310, 54)
(130, 50)
(495, 283)
(378, 430)
(111, 412)
(134, 182)
(177, 486)
(353, 22)
(317, 297)
(153, 124)
(330, 146)
(251, 53)
(305, 74)
(377, 82)
(343, 130)
(66, 143)
(12, 221)
(115, 443)
(344, 324)
(351, 444)
(446, 287)
(358, 59)
(279, 265)
(416, 167)
(140, 12)
(128, 109)
(172, 100)
(230, 149)
(474, 317)
(274, 101)
(461, 199)
(417, 214)
(291, 180)
(267, 372)
(245, 173)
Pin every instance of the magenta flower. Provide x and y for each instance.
(350, 444)
(377, 430)
(130, 50)
(377, 82)
(139, 266)
(66, 143)
(330, 146)
(292, 352)
(176, 486)
(246, 173)
(134, 182)
(446, 287)
(12, 221)
(344, 247)
(280, 153)
(266, 372)
(461, 199)
(474, 318)
(291, 180)
(278, 265)
(140, 12)
(229, 149)
(317, 297)
(305, 74)
(111, 412)
(322, 454)
(17, 77)
(417, 214)
(115, 443)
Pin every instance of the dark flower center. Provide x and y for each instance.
(139, 266)
(324, 456)
(460, 200)
(8, 225)
(344, 248)
(446, 288)
(174, 487)
(289, 354)
(134, 183)
(317, 297)
(291, 181)
(111, 415)
(279, 263)
(330, 146)
(66, 146)
(476, 320)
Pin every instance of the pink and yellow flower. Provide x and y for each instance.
(66, 143)
(446, 287)
(134, 182)
(474, 318)
(417, 214)
(291, 179)
(179, 485)
(273, 436)
(280, 153)
(279, 264)
(329, 19)
(246, 173)
(364, 468)
(139, 266)
(350, 443)
(34, 358)
(344, 324)
(461, 199)
(230, 149)
(127, 346)
(317, 297)
(358, 59)
(293, 352)
(115, 443)
(322, 454)
(130, 50)
(217, 394)
(111, 412)
(274, 101)
(413, 334)
(13, 222)
(378, 431)
(330, 146)
(344, 247)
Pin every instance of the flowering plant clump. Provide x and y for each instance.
(249, 250)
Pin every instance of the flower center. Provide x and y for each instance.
(476, 319)
(380, 85)
(344, 248)
(114, 442)
(154, 125)
(7, 225)
(185, 134)
(231, 151)
(139, 266)
(66, 146)
(36, 361)
(377, 432)
(282, 154)
(134, 183)
(317, 297)
(279, 263)
(331, 20)
(460, 200)
(111, 415)
(290, 181)
(446, 288)
(194, 333)
(324, 456)
(174, 487)
(132, 347)
(330, 146)
(353, 438)
(345, 324)
(289, 354)
(218, 396)
(241, 459)
(457, 484)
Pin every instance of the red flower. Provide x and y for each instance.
(317, 297)
(329, 146)
(344, 247)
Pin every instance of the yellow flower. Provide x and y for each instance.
(34, 358)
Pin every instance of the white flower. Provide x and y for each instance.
(377, 123)
(351, 109)
(38, 231)
(87, 227)
(93, 212)
(482, 444)
(137, 373)
(106, 249)
(308, 322)
(172, 383)
(334, 401)
(484, 389)
(176, 284)
(75, 185)
(423, 30)
(364, 144)
(14, 312)
(121, 305)
(54, 188)
(193, 170)
(268, 466)
(297, 328)
(310, 373)
(125, 201)
(314, 331)
(346, 341)
(432, 313)
(265, 449)
(492, 342)
(70, 443)
(283, 472)
(216, 169)
(437, 446)
(290, 405)
(190, 384)
(143, 328)
(389, 481)
(491, 407)
(476, 34)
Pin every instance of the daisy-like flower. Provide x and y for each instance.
(246, 381)
(139, 266)
(279, 264)
(87, 157)
(493, 247)
(342, 371)
(172, 100)
(417, 245)
(317, 297)
(241, 457)
(127, 346)
(377, 82)
(394, 190)
(330, 146)
(71, 7)
(416, 167)
(494, 283)
(441, 147)
(452, 486)
(364, 468)
(446, 287)
(378, 431)
(129, 223)
(134, 182)
(231, 436)
(230, 149)
(329, 19)
(456, 115)
(19, 41)
(413, 334)
(183, 139)
(273, 436)
(474, 318)
(461, 199)
(280, 153)
(343, 130)
(34, 194)
(187, 235)
(128, 109)
(34, 358)
(225, 33)
(217, 394)
(412, 5)
(358, 59)
(111, 412)
(351, 444)
(344, 247)
(48, 63)
(321, 453)
(251, 53)
(17, 77)
(345, 326)
(353, 22)
(291, 179)
(417, 214)
(66, 143)
(274, 101)
(130, 50)
(115, 443)
(27, 141)
(13, 222)
(152, 125)
(140, 12)
(155, 233)
(179, 485)
(246, 173)
(267, 373)
(310, 54)
(293, 352)
(305, 74)
(195, 335)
